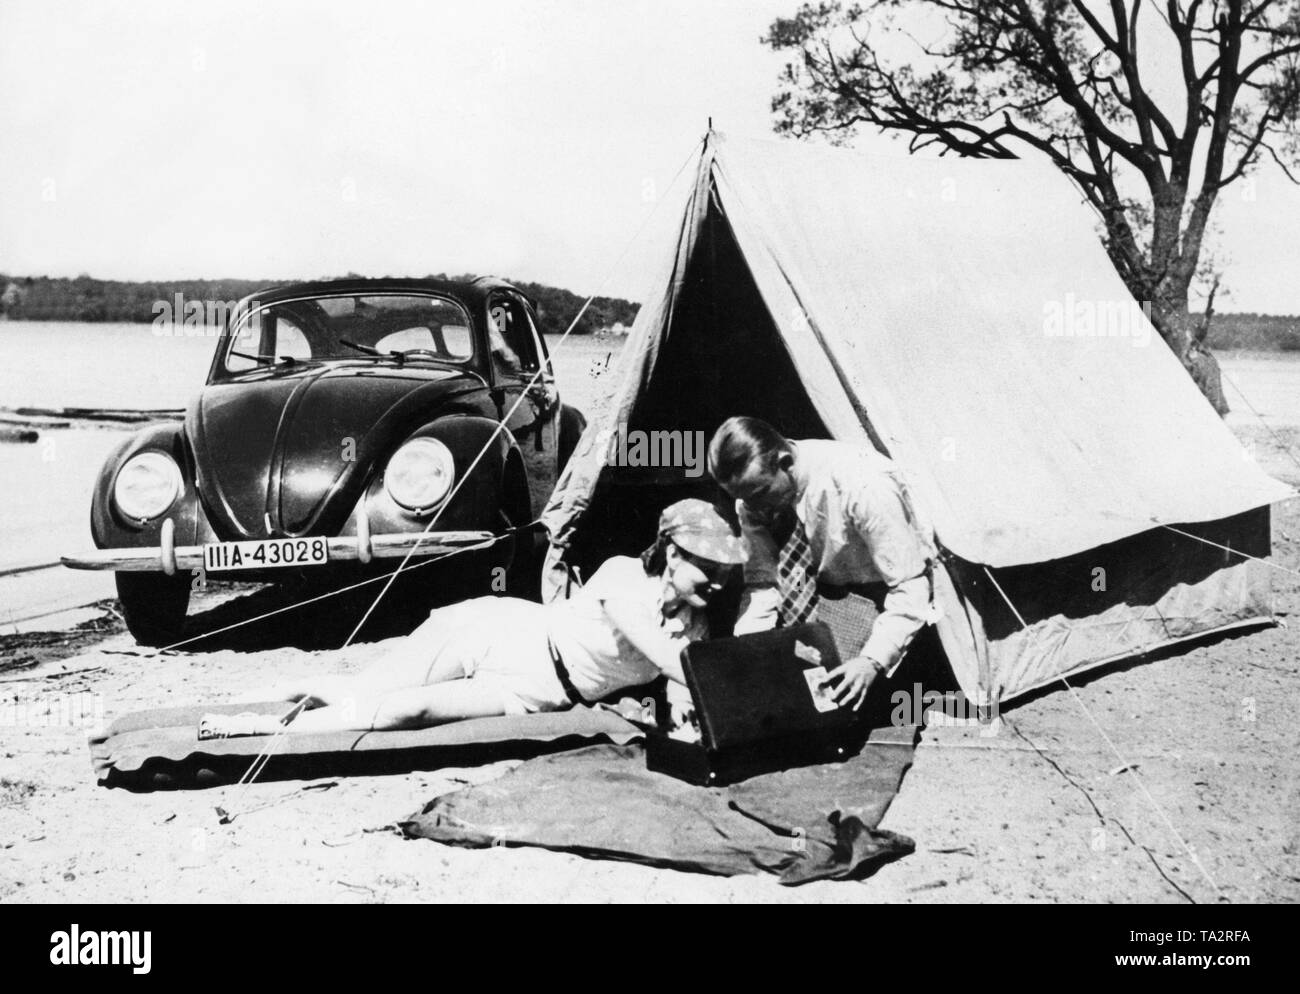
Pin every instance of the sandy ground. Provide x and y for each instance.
(1208, 810)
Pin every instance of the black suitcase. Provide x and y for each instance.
(757, 708)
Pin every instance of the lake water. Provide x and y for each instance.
(70, 364)
(1268, 382)
(45, 488)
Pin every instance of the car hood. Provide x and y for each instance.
(288, 452)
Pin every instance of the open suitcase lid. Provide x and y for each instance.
(753, 688)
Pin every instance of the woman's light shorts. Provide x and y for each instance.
(499, 642)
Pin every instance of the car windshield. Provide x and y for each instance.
(405, 327)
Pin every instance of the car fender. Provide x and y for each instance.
(108, 527)
(475, 499)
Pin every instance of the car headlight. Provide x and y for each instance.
(419, 474)
(147, 485)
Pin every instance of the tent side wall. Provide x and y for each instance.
(924, 303)
(1123, 599)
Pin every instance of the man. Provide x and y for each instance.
(820, 515)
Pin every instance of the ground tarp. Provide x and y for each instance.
(811, 823)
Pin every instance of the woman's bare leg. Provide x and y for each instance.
(409, 707)
(430, 654)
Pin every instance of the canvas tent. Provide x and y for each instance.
(962, 317)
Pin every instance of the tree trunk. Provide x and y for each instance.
(1179, 329)
(1200, 362)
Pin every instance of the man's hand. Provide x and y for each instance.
(681, 713)
(856, 677)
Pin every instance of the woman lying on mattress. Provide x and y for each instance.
(502, 655)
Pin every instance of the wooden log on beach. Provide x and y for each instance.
(67, 414)
(8, 417)
(125, 414)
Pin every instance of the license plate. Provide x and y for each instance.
(264, 554)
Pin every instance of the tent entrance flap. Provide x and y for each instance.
(719, 354)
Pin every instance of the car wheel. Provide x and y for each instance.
(523, 572)
(153, 606)
(572, 425)
(524, 576)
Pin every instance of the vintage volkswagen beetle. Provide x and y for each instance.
(337, 419)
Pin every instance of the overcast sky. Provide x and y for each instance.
(283, 140)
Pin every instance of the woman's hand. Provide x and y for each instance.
(856, 677)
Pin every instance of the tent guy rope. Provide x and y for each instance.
(1191, 852)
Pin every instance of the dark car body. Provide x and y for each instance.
(307, 405)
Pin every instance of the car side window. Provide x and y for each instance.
(510, 335)
(528, 330)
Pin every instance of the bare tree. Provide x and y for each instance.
(1065, 78)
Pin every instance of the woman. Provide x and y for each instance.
(502, 655)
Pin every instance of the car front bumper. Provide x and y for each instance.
(169, 558)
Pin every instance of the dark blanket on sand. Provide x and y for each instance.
(160, 749)
(812, 823)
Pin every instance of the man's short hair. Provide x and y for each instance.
(740, 442)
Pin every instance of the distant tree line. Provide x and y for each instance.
(44, 298)
(556, 308)
(1263, 332)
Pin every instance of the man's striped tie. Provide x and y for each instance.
(796, 579)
